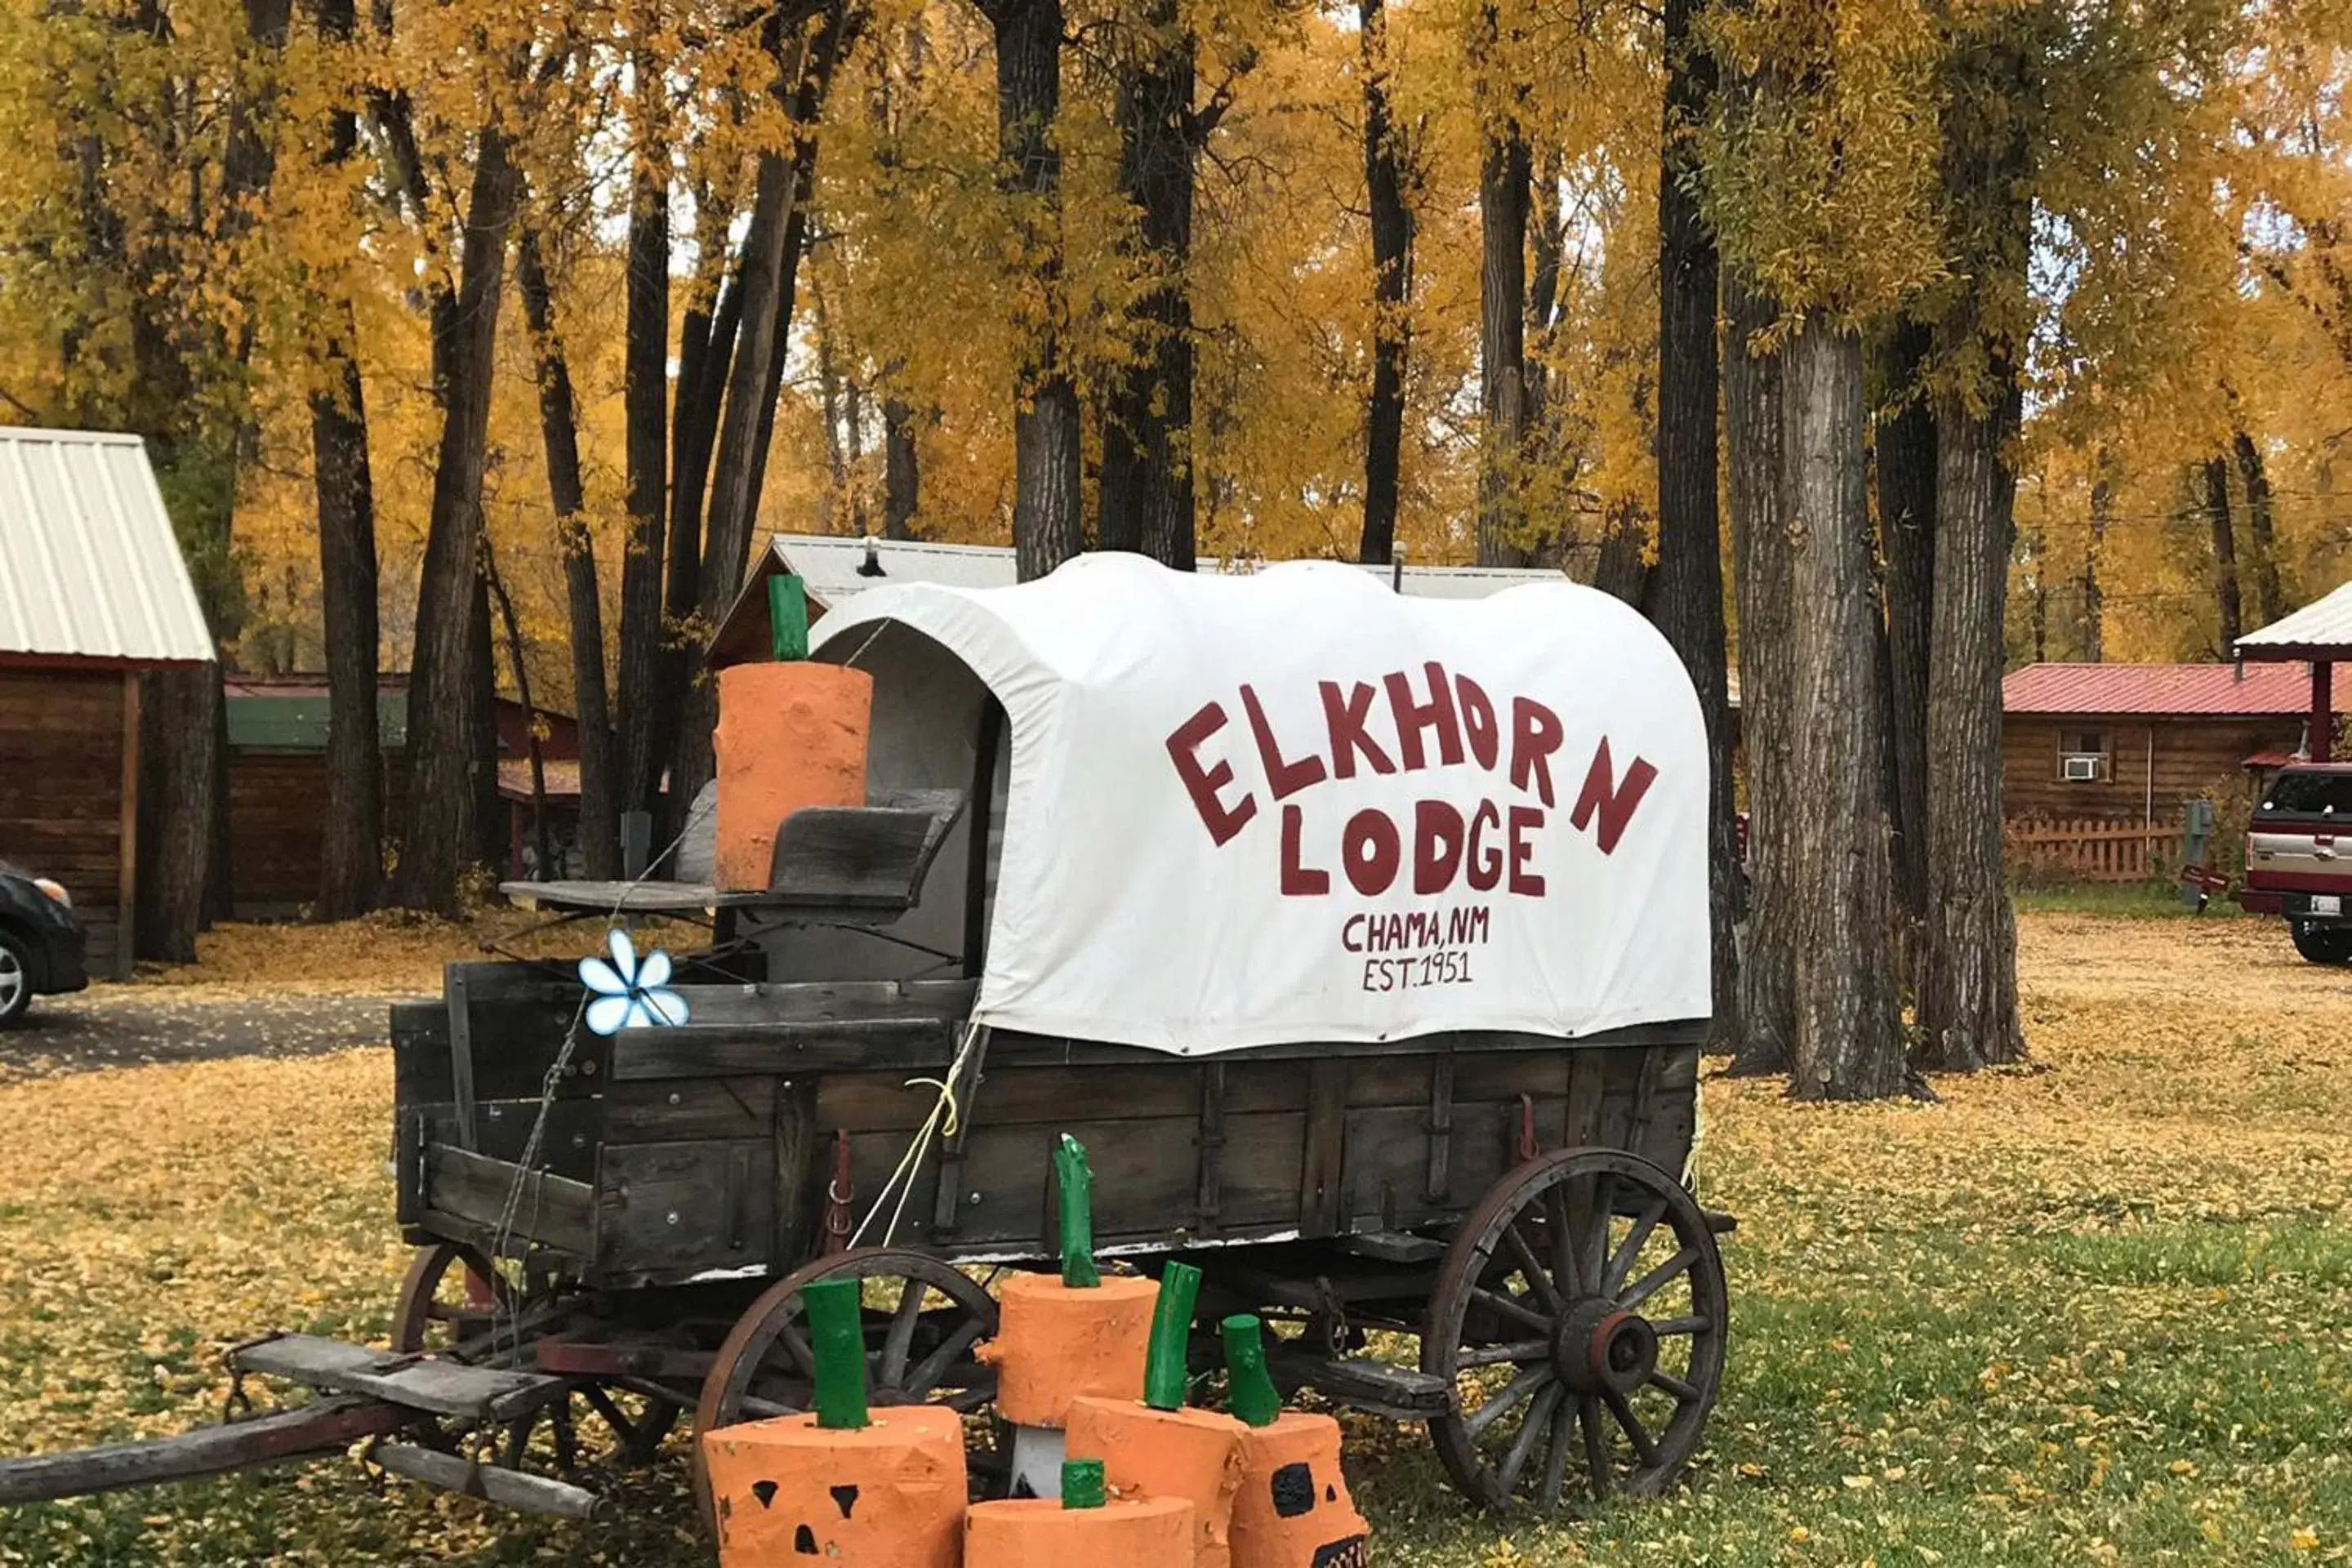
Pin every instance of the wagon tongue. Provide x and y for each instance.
(364, 1393)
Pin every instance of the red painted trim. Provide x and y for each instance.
(2256, 902)
(2298, 881)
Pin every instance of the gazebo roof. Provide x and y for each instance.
(2320, 630)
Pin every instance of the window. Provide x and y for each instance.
(2308, 793)
(2083, 756)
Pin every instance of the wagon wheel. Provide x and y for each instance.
(922, 1319)
(1579, 1315)
(451, 1293)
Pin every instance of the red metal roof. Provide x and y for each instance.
(2215, 690)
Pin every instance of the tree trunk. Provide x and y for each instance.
(1760, 584)
(901, 471)
(1967, 1012)
(440, 833)
(1906, 521)
(1967, 993)
(2225, 553)
(1686, 599)
(1147, 459)
(1621, 568)
(178, 710)
(1848, 1043)
(1046, 529)
(1392, 225)
(2103, 502)
(350, 862)
(707, 353)
(1502, 345)
(644, 395)
(493, 848)
(2270, 600)
(769, 282)
(495, 587)
(350, 867)
(600, 818)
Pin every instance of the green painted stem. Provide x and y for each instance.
(837, 1337)
(1075, 1180)
(1082, 1483)
(788, 618)
(1249, 1390)
(1172, 1334)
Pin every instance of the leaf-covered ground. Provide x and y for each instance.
(2098, 1310)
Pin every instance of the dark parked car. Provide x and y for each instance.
(40, 942)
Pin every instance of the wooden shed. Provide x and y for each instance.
(93, 593)
(2129, 744)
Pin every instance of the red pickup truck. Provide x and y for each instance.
(2299, 858)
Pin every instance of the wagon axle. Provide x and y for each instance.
(1598, 1346)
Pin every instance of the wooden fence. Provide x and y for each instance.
(2090, 850)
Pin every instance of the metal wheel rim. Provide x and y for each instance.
(13, 980)
(1547, 1428)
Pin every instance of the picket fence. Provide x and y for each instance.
(2090, 850)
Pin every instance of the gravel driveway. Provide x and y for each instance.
(134, 1025)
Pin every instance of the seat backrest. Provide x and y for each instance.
(871, 858)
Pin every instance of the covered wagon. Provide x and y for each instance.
(1362, 940)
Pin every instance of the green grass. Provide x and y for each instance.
(2094, 1312)
(2128, 901)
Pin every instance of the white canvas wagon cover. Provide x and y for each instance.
(1292, 806)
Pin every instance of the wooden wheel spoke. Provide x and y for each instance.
(927, 1373)
(1515, 1351)
(1512, 1308)
(1530, 1265)
(1683, 1392)
(1635, 1433)
(797, 1350)
(901, 1337)
(1597, 1461)
(1668, 1328)
(1557, 1217)
(1651, 1282)
(1629, 1252)
(1593, 1246)
(1532, 1431)
(1563, 1439)
(1514, 1393)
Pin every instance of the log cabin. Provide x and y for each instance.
(2129, 745)
(93, 595)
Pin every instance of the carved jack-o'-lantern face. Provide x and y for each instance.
(1298, 1497)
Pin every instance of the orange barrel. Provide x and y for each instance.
(1292, 1510)
(789, 735)
(889, 1494)
(1039, 1532)
(1057, 1342)
(1195, 1454)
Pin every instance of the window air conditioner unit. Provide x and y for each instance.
(2083, 769)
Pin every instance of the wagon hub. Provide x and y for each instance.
(1597, 1347)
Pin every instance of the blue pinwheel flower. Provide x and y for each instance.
(629, 995)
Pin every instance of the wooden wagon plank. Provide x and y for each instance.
(419, 1383)
(781, 1049)
(553, 1211)
(665, 1206)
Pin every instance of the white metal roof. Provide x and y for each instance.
(88, 564)
(837, 569)
(2324, 623)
